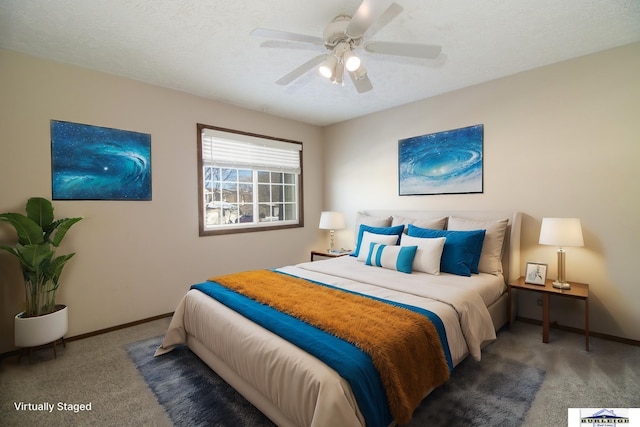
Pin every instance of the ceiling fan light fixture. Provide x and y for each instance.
(339, 72)
(342, 36)
(328, 67)
(351, 61)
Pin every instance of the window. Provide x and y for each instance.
(247, 182)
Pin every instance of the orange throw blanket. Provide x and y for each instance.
(404, 345)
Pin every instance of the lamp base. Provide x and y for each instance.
(561, 285)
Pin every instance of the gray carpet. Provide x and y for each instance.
(496, 391)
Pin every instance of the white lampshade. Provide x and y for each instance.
(561, 232)
(330, 220)
(328, 67)
(351, 61)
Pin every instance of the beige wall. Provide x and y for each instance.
(134, 259)
(561, 141)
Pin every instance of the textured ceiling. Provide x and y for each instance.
(203, 47)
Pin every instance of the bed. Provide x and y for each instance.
(294, 388)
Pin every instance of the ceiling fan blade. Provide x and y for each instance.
(389, 15)
(288, 78)
(283, 44)
(285, 35)
(362, 84)
(368, 13)
(427, 51)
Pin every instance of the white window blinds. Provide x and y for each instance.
(241, 151)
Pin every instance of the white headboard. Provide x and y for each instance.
(511, 250)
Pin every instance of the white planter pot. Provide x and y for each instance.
(40, 330)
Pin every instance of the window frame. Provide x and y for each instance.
(252, 227)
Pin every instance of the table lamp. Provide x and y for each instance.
(332, 221)
(561, 232)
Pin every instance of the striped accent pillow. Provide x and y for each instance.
(398, 258)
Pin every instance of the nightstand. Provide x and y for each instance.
(320, 255)
(577, 291)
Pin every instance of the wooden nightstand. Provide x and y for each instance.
(578, 291)
(320, 255)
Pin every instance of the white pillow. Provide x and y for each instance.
(429, 252)
(368, 238)
(399, 258)
(434, 224)
(491, 256)
(373, 221)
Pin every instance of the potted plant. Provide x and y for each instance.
(39, 235)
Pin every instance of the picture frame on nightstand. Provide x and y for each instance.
(535, 274)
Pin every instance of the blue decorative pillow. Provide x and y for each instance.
(397, 230)
(462, 249)
(398, 258)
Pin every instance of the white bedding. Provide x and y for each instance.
(488, 286)
(305, 391)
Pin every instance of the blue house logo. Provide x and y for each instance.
(604, 417)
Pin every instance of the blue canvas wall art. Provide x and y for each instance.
(98, 163)
(446, 162)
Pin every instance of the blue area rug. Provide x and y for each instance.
(190, 392)
(493, 392)
(496, 391)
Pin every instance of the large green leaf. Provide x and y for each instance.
(55, 267)
(41, 211)
(63, 226)
(33, 257)
(29, 232)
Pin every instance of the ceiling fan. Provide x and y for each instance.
(341, 37)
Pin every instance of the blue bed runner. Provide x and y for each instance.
(349, 361)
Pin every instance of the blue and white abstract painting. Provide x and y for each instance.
(446, 162)
(97, 163)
